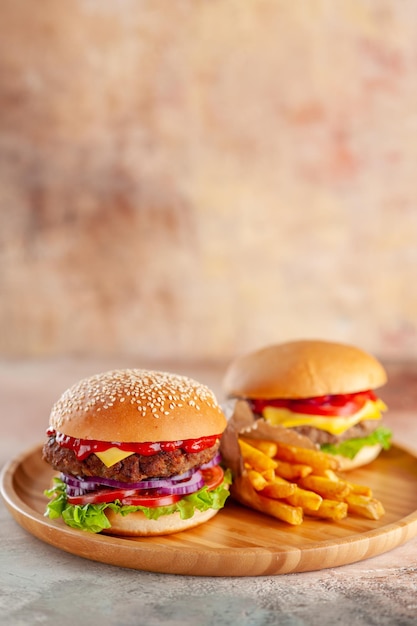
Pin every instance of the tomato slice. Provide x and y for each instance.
(337, 405)
(150, 500)
(101, 495)
(126, 496)
(213, 477)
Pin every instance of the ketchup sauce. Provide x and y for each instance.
(84, 447)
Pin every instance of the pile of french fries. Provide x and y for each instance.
(290, 483)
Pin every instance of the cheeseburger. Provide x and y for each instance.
(321, 390)
(137, 453)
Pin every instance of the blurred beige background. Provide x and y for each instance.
(191, 179)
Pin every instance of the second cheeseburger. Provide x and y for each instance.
(137, 453)
(321, 389)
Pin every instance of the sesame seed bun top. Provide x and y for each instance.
(134, 405)
(303, 369)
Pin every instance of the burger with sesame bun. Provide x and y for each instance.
(322, 390)
(137, 453)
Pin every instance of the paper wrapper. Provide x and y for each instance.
(242, 421)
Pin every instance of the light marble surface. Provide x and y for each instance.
(39, 584)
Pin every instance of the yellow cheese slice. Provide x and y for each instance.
(112, 455)
(334, 425)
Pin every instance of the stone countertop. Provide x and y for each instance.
(41, 584)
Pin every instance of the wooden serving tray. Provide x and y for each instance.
(237, 541)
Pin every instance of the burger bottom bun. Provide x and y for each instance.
(364, 456)
(138, 525)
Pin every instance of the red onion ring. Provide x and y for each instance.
(95, 482)
(181, 484)
(77, 487)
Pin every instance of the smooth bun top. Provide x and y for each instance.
(303, 369)
(136, 405)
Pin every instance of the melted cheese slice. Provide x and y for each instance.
(111, 456)
(334, 425)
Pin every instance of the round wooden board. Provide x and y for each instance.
(237, 541)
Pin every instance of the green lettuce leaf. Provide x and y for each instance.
(92, 517)
(351, 447)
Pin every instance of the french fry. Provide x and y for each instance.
(306, 499)
(243, 491)
(327, 488)
(365, 506)
(327, 473)
(306, 456)
(279, 488)
(267, 447)
(257, 480)
(333, 510)
(291, 514)
(269, 475)
(361, 490)
(354, 488)
(287, 482)
(256, 459)
(292, 471)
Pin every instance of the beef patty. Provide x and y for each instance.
(363, 429)
(133, 468)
